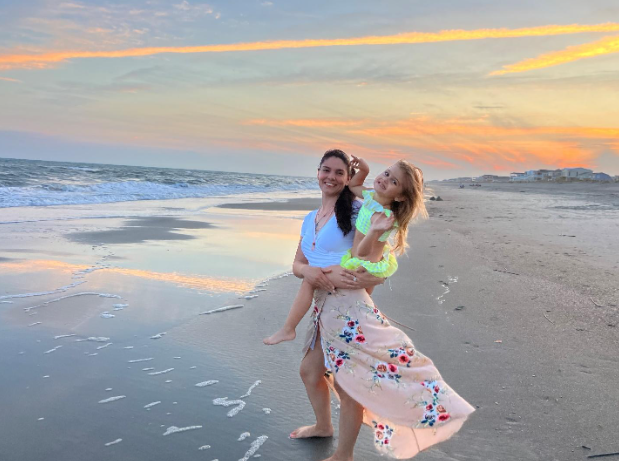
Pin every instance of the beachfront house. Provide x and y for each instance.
(603, 177)
(493, 178)
(516, 177)
(576, 174)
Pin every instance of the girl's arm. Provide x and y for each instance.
(315, 276)
(368, 247)
(362, 171)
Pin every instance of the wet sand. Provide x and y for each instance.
(304, 204)
(513, 295)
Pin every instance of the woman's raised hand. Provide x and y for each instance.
(316, 277)
(382, 223)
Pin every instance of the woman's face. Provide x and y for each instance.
(333, 176)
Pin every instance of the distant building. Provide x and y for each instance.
(576, 174)
(492, 178)
(602, 177)
(565, 174)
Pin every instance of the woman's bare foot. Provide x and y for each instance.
(335, 458)
(280, 336)
(306, 432)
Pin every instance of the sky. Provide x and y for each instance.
(457, 87)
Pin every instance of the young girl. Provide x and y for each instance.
(388, 209)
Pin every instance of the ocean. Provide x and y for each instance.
(44, 183)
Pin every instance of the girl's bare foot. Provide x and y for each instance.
(306, 432)
(280, 336)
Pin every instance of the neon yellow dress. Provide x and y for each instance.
(387, 266)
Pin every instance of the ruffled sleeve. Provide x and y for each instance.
(372, 205)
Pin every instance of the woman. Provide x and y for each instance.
(378, 375)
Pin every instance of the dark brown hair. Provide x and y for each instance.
(343, 206)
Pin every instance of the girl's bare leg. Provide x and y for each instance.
(299, 308)
(313, 376)
(351, 418)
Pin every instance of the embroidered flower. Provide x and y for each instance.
(385, 370)
(383, 434)
(434, 412)
(335, 356)
(351, 329)
(360, 339)
(403, 354)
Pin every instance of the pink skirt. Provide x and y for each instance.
(406, 403)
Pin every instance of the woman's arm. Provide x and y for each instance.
(315, 276)
(353, 280)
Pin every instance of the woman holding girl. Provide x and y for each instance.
(374, 368)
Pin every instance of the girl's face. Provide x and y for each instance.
(388, 185)
(333, 176)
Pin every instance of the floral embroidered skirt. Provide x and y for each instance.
(406, 402)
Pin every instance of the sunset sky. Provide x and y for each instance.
(458, 87)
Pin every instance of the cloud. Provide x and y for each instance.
(462, 143)
(607, 45)
(489, 107)
(42, 60)
(311, 123)
(88, 26)
(7, 79)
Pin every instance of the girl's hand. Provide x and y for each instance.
(359, 164)
(381, 223)
(316, 277)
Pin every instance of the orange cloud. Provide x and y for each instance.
(7, 79)
(607, 45)
(459, 142)
(47, 59)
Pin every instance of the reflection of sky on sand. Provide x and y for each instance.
(163, 281)
(240, 247)
(211, 284)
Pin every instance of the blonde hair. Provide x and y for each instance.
(411, 207)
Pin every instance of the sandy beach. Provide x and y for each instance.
(510, 289)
